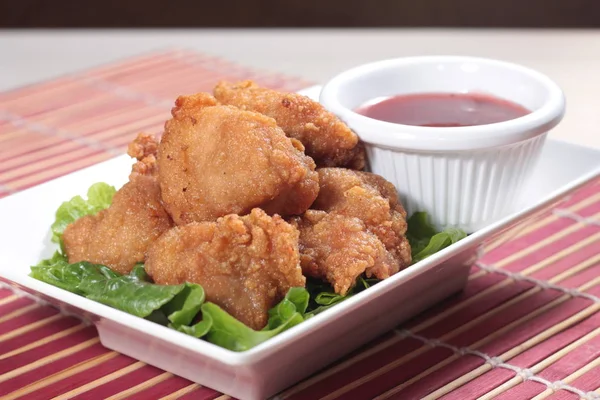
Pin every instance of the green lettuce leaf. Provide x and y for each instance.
(295, 301)
(322, 296)
(184, 306)
(133, 293)
(55, 271)
(99, 197)
(329, 298)
(198, 330)
(228, 332)
(425, 240)
(56, 258)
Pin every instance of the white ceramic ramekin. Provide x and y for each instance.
(466, 177)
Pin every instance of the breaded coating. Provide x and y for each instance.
(119, 236)
(374, 201)
(143, 145)
(327, 139)
(245, 264)
(216, 160)
(356, 225)
(144, 148)
(338, 249)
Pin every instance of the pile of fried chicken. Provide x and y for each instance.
(248, 191)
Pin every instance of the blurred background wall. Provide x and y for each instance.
(299, 13)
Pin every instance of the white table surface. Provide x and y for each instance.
(571, 58)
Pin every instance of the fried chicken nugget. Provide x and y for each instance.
(357, 226)
(216, 160)
(326, 139)
(119, 236)
(374, 201)
(245, 264)
(338, 249)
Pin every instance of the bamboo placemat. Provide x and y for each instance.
(526, 326)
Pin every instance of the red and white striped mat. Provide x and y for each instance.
(526, 326)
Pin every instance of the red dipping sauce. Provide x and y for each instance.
(443, 109)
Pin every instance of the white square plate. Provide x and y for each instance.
(283, 360)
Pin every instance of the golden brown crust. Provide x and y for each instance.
(373, 200)
(216, 160)
(245, 264)
(357, 225)
(144, 148)
(339, 249)
(327, 139)
(119, 236)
